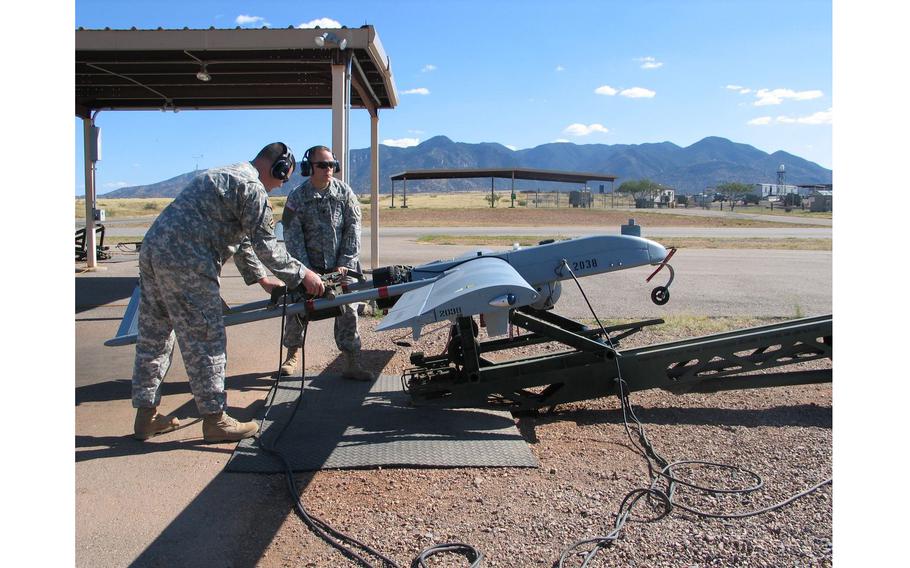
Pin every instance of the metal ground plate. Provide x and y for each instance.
(343, 424)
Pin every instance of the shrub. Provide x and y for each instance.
(492, 199)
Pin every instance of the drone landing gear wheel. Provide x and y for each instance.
(660, 295)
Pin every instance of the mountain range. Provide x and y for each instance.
(691, 169)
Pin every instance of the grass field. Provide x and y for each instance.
(779, 211)
(120, 208)
(142, 207)
(467, 210)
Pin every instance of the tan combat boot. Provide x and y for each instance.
(149, 423)
(290, 362)
(353, 370)
(220, 427)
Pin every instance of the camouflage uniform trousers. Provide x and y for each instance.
(347, 337)
(186, 305)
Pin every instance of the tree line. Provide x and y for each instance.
(645, 189)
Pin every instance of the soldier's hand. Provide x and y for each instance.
(341, 270)
(269, 283)
(312, 283)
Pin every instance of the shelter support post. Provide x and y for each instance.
(341, 89)
(90, 156)
(374, 191)
(404, 193)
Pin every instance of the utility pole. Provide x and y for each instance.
(197, 161)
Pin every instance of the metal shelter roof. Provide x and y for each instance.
(248, 68)
(517, 173)
(293, 68)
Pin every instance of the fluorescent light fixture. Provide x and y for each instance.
(203, 74)
(328, 39)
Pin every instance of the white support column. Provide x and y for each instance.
(88, 146)
(340, 90)
(374, 191)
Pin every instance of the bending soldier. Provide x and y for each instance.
(322, 229)
(222, 212)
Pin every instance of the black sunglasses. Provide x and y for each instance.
(326, 165)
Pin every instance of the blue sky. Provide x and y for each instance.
(517, 73)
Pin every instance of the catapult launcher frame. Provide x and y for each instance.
(591, 366)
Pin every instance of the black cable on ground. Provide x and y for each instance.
(334, 537)
(659, 469)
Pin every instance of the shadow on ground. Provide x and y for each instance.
(120, 389)
(94, 292)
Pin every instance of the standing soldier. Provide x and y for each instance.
(222, 212)
(322, 229)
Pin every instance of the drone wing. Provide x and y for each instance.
(482, 285)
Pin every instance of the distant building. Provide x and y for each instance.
(703, 199)
(581, 199)
(821, 200)
(666, 197)
(766, 190)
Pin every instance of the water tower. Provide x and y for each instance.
(781, 175)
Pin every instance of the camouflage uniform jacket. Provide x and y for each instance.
(323, 228)
(222, 212)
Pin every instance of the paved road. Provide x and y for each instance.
(580, 230)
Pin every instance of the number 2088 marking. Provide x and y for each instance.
(585, 264)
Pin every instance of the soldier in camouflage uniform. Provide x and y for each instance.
(322, 229)
(222, 212)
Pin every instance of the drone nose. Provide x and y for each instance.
(656, 252)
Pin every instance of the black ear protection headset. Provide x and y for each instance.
(284, 165)
(306, 168)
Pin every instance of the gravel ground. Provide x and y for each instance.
(526, 517)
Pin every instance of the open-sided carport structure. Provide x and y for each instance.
(507, 173)
(190, 69)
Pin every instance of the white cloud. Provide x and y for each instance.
(649, 63)
(578, 129)
(745, 91)
(734, 87)
(245, 20)
(777, 96)
(511, 147)
(417, 91)
(560, 68)
(605, 90)
(401, 142)
(637, 93)
(427, 68)
(322, 23)
(115, 184)
(742, 90)
(560, 141)
(821, 117)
